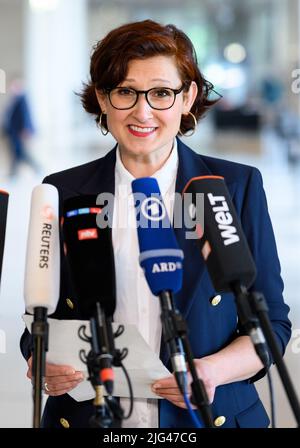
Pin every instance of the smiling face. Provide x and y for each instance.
(146, 135)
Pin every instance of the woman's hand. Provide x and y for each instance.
(167, 387)
(59, 379)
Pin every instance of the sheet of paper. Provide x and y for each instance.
(142, 364)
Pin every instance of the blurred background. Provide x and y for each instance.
(249, 50)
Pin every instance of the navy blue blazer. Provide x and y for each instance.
(211, 327)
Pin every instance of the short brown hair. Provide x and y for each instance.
(141, 40)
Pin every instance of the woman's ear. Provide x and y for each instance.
(189, 97)
(101, 97)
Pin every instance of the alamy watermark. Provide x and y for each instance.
(151, 212)
(295, 344)
(295, 87)
(2, 342)
(2, 81)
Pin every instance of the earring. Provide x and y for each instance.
(193, 130)
(102, 128)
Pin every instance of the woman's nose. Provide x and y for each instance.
(142, 110)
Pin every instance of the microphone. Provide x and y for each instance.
(90, 255)
(3, 216)
(160, 256)
(161, 260)
(226, 252)
(223, 243)
(42, 269)
(41, 285)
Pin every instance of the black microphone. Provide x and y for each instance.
(225, 250)
(221, 239)
(3, 216)
(90, 255)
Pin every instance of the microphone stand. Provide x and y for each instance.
(250, 323)
(39, 331)
(108, 412)
(260, 308)
(254, 302)
(174, 331)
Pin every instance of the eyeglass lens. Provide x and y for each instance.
(158, 98)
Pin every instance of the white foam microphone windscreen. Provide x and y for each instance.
(42, 271)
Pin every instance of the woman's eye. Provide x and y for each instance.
(125, 92)
(161, 93)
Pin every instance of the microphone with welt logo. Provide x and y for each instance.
(41, 285)
(222, 241)
(231, 268)
(226, 252)
(161, 259)
(3, 216)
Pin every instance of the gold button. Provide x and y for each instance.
(64, 423)
(219, 421)
(70, 303)
(216, 300)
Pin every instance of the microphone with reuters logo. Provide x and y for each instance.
(41, 285)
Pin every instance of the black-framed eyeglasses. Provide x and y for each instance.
(159, 98)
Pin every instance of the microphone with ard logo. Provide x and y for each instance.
(160, 256)
(161, 259)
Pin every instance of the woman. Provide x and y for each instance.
(146, 89)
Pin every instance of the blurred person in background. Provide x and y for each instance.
(146, 90)
(18, 127)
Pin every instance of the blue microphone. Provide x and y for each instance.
(160, 256)
(161, 260)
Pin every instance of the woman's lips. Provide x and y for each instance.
(138, 131)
